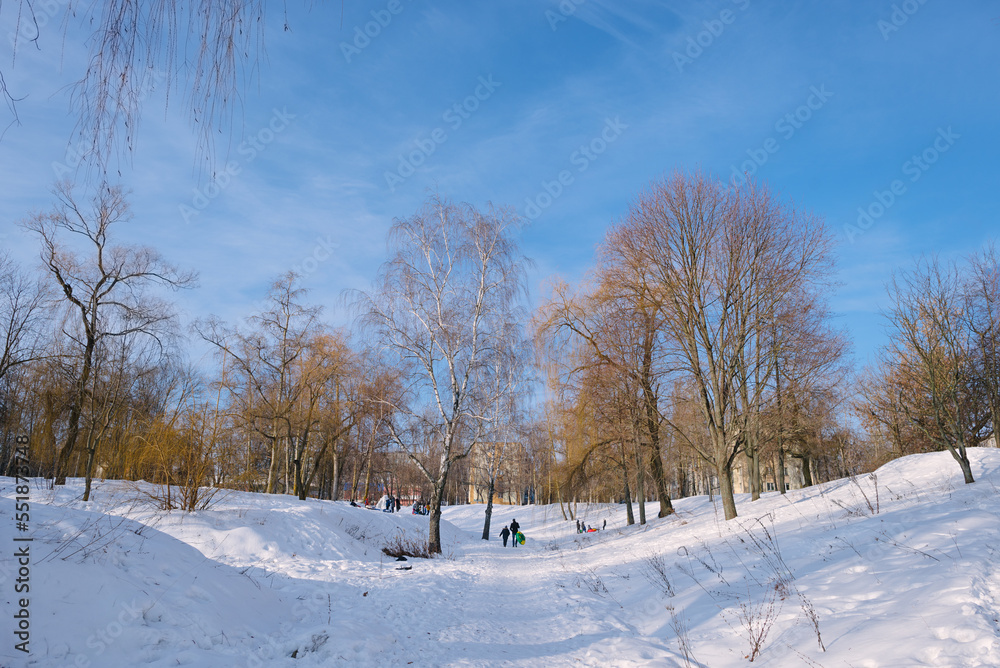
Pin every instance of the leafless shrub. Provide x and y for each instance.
(757, 617)
(765, 542)
(400, 546)
(853, 512)
(356, 532)
(889, 540)
(812, 616)
(656, 571)
(766, 586)
(679, 627)
(174, 497)
(593, 582)
(93, 537)
(873, 509)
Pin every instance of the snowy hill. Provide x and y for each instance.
(899, 568)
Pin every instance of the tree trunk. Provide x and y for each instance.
(272, 469)
(317, 463)
(962, 458)
(357, 478)
(642, 498)
(753, 464)
(489, 510)
(287, 465)
(298, 483)
(807, 478)
(434, 528)
(779, 467)
(653, 426)
(368, 477)
(966, 470)
(73, 429)
(335, 489)
(91, 451)
(725, 474)
(628, 504)
(779, 476)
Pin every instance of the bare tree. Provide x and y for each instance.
(22, 302)
(982, 315)
(22, 315)
(118, 367)
(266, 360)
(936, 352)
(619, 322)
(721, 259)
(439, 305)
(803, 355)
(327, 408)
(106, 286)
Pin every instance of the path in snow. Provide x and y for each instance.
(513, 606)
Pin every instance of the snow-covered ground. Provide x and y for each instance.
(901, 568)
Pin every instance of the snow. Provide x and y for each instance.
(899, 568)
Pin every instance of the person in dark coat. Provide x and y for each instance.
(514, 527)
(505, 534)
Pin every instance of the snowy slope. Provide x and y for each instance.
(899, 568)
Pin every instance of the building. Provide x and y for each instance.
(507, 462)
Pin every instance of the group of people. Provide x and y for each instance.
(388, 504)
(392, 504)
(513, 530)
(586, 528)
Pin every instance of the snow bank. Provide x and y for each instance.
(897, 568)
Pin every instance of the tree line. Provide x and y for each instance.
(699, 355)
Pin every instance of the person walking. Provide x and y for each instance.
(505, 534)
(514, 527)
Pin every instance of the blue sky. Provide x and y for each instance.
(828, 102)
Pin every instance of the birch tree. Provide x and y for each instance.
(438, 305)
